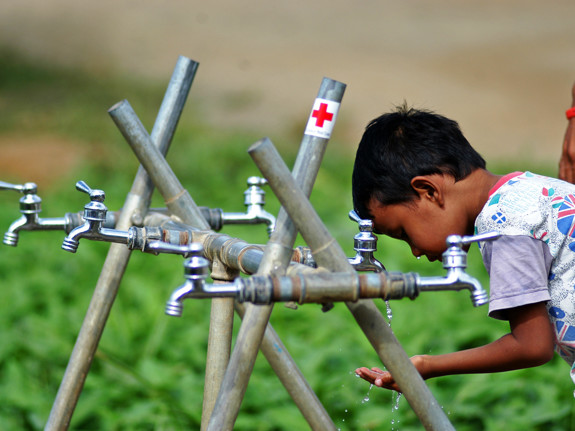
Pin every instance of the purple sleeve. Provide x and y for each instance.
(518, 268)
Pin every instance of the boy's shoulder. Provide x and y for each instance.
(530, 204)
(524, 187)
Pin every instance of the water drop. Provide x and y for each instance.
(396, 396)
(389, 312)
(366, 398)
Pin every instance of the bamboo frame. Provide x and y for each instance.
(229, 376)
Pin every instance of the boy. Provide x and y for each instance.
(419, 180)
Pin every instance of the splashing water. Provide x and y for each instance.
(395, 397)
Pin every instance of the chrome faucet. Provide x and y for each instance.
(94, 215)
(455, 261)
(196, 270)
(254, 201)
(365, 244)
(30, 208)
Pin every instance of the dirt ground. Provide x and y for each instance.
(504, 70)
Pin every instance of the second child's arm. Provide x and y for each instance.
(530, 343)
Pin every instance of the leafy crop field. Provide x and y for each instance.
(148, 371)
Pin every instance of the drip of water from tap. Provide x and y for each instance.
(389, 312)
(366, 398)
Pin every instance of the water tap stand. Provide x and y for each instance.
(250, 337)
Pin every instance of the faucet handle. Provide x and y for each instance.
(365, 225)
(460, 241)
(30, 203)
(95, 210)
(95, 194)
(26, 188)
(354, 216)
(257, 181)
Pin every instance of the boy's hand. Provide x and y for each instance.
(377, 377)
(383, 379)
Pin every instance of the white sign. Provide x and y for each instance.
(322, 118)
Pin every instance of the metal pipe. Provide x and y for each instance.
(328, 254)
(136, 204)
(276, 258)
(318, 287)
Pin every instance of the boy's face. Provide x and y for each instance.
(421, 223)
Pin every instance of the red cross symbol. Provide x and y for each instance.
(321, 115)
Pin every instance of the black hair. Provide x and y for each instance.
(400, 145)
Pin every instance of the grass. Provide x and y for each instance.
(148, 371)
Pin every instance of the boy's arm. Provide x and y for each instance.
(567, 161)
(530, 343)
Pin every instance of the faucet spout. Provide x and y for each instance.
(12, 234)
(456, 279)
(254, 215)
(94, 231)
(30, 222)
(175, 306)
(364, 261)
(455, 262)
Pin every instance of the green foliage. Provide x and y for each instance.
(149, 369)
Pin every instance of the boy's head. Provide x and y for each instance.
(400, 145)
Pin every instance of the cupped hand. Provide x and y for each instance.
(377, 377)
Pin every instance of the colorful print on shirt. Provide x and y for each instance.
(544, 208)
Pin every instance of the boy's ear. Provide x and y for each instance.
(428, 187)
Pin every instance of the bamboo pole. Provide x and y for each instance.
(219, 340)
(135, 206)
(274, 261)
(327, 253)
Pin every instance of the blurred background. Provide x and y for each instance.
(503, 70)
